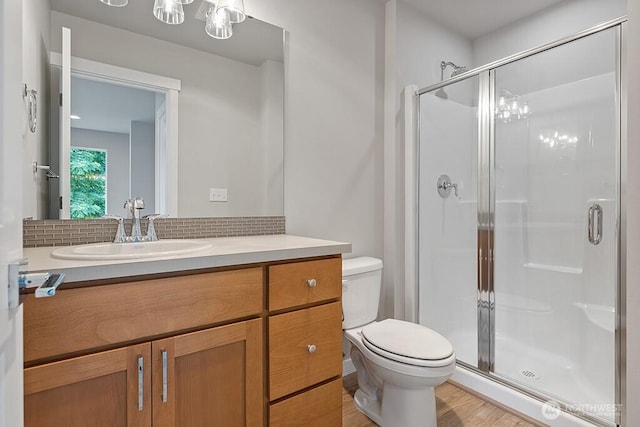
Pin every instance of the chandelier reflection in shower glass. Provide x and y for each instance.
(510, 107)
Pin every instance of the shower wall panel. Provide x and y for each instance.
(448, 226)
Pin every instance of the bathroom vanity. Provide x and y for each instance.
(247, 333)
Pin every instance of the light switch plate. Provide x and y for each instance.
(217, 194)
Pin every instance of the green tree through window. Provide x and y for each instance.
(88, 183)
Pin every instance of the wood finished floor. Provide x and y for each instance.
(455, 408)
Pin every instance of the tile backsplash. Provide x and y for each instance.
(54, 232)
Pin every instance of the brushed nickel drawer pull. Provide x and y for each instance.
(311, 283)
(140, 383)
(164, 376)
(312, 348)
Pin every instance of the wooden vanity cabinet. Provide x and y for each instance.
(194, 350)
(209, 377)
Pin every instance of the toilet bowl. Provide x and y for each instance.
(398, 363)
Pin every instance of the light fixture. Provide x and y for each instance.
(169, 11)
(234, 10)
(115, 3)
(217, 24)
(219, 18)
(509, 107)
(74, 117)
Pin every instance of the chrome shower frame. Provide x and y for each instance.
(486, 212)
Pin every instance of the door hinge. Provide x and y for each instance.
(60, 202)
(61, 99)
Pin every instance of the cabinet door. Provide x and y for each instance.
(104, 389)
(209, 378)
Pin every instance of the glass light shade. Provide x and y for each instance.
(169, 11)
(116, 3)
(218, 25)
(234, 10)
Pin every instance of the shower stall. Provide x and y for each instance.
(519, 219)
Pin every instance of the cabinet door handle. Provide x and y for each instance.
(312, 348)
(164, 376)
(311, 283)
(140, 383)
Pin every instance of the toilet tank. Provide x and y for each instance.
(361, 281)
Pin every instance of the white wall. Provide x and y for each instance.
(219, 112)
(333, 110)
(142, 148)
(550, 24)
(35, 66)
(117, 147)
(422, 44)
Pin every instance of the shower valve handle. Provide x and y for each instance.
(445, 185)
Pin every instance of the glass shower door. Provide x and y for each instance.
(555, 214)
(448, 215)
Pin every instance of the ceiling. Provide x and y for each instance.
(118, 106)
(253, 41)
(475, 18)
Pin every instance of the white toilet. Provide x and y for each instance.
(398, 363)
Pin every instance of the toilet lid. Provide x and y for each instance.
(406, 340)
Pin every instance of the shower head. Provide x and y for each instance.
(457, 69)
(440, 93)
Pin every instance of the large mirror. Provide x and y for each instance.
(214, 149)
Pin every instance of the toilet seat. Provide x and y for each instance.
(407, 343)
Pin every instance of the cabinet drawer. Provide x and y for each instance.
(305, 282)
(293, 365)
(319, 407)
(101, 316)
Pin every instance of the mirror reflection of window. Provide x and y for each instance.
(88, 183)
(122, 121)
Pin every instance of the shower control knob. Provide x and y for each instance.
(312, 348)
(311, 283)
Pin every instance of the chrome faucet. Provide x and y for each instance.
(133, 207)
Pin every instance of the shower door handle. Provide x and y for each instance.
(594, 228)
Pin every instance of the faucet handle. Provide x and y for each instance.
(151, 217)
(151, 228)
(120, 234)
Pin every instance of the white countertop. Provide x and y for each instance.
(226, 251)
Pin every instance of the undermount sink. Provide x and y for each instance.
(114, 251)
